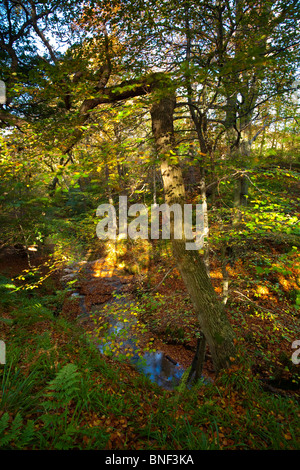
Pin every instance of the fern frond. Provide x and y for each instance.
(27, 435)
(65, 385)
(9, 435)
(4, 423)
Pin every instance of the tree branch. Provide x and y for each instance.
(12, 120)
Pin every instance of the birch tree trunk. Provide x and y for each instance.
(210, 312)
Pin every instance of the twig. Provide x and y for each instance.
(156, 287)
(26, 246)
(254, 303)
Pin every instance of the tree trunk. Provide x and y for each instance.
(240, 197)
(212, 319)
(205, 221)
(197, 364)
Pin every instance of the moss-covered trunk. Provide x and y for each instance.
(212, 319)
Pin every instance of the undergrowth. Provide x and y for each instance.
(57, 392)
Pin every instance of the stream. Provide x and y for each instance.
(157, 366)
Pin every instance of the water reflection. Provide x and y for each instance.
(155, 365)
(159, 369)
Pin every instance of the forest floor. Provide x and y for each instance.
(264, 322)
(254, 405)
